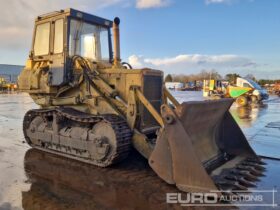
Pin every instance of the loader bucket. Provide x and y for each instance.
(202, 149)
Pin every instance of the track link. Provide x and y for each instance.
(122, 132)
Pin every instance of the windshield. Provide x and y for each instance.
(88, 40)
(254, 84)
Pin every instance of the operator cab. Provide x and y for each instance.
(258, 91)
(58, 36)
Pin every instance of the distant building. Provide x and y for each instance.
(10, 72)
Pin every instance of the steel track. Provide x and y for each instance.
(120, 127)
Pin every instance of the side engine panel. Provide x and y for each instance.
(34, 78)
(150, 83)
(152, 90)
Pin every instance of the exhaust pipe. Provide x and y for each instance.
(116, 31)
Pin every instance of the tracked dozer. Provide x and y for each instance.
(95, 108)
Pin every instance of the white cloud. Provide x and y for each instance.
(145, 4)
(191, 63)
(136, 61)
(18, 16)
(218, 1)
(228, 2)
(17, 19)
(198, 59)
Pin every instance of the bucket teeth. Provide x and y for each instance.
(246, 182)
(251, 169)
(232, 184)
(247, 175)
(255, 160)
(238, 186)
(256, 165)
(241, 180)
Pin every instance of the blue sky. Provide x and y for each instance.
(177, 36)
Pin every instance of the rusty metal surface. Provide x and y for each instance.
(161, 159)
(201, 148)
(187, 171)
(202, 121)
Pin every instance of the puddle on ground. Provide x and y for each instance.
(31, 179)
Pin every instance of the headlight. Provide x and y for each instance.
(256, 92)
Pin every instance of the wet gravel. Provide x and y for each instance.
(30, 179)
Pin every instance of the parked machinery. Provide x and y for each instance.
(276, 89)
(245, 91)
(6, 86)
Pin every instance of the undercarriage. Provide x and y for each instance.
(100, 140)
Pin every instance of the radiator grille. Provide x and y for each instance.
(152, 90)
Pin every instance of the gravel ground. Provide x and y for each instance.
(33, 180)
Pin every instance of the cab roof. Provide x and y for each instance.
(78, 15)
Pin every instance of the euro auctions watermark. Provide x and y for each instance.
(265, 198)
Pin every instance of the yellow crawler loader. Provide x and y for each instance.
(95, 108)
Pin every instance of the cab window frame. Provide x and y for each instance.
(54, 35)
(110, 47)
(246, 85)
(34, 38)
